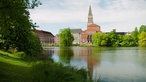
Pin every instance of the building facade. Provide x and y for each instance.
(85, 36)
(45, 37)
(92, 28)
(77, 35)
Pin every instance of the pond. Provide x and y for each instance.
(109, 64)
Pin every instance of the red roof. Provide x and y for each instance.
(41, 31)
(93, 25)
(93, 29)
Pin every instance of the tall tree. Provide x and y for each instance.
(142, 28)
(142, 39)
(16, 26)
(112, 38)
(135, 35)
(100, 39)
(66, 38)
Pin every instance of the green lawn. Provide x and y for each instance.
(14, 69)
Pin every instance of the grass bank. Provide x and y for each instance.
(14, 69)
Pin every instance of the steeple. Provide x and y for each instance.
(90, 16)
(90, 11)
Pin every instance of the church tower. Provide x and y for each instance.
(90, 16)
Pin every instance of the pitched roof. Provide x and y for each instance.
(93, 25)
(93, 29)
(76, 30)
(41, 31)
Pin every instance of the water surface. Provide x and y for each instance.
(109, 64)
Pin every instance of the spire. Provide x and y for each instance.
(90, 16)
(90, 11)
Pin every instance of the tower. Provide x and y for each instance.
(90, 16)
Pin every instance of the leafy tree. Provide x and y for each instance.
(112, 38)
(16, 26)
(104, 41)
(142, 28)
(135, 35)
(128, 41)
(96, 39)
(142, 39)
(66, 38)
(100, 39)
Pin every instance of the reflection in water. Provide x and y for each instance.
(81, 55)
(92, 60)
(122, 64)
(66, 53)
(49, 51)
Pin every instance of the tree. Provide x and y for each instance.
(142, 28)
(112, 38)
(135, 35)
(66, 38)
(16, 26)
(128, 41)
(100, 39)
(142, 39)
(96, 39)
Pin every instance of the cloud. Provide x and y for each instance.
(107, 13)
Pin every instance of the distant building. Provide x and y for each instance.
(45, 37)
(77, 35)
(56, 39)
(120, 33)
(86, 36)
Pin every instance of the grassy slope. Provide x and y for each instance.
(13, 69)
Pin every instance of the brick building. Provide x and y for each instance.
(86, 35)
(83, 37)
(45, 37)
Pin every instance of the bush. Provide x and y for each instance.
(51, 72)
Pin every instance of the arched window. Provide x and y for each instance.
(89, 38)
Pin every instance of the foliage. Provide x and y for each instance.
(66, 38)
(112, 38)
(142, 39)
(48, 72)
(142, 28)
(135, 36)
(16, 27)
(16, 70)
(100, 39)
(128, 41)
(115, 40)
(33, 47)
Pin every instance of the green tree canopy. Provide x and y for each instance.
(142, 39)
(100, 39)
(113, 37)
(128, 41)
(16, 26)
(142, 28)
(66, 38)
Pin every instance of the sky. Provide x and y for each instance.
(122, 15)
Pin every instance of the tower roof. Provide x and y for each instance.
(93, 25)
(90, 11)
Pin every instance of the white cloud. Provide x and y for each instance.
(112, 13)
